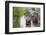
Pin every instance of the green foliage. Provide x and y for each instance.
(16, 23)
(18, 11)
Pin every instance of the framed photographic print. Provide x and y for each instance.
(24, 17)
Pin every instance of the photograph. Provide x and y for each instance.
(24, 17)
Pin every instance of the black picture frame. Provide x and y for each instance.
(7, 17)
